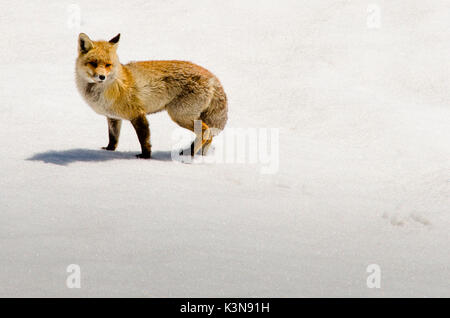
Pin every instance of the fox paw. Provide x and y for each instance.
(143, 156)
(109, 148)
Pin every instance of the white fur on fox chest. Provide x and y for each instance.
(93, 94)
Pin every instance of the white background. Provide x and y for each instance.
(364, 153)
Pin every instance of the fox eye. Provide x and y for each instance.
(94, 64)
(108, 65)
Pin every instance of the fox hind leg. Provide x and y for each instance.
(206, 146)
(188, 110)
(114, 126)
(203, 139)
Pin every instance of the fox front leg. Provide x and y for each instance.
(113, 132)
(140, 124)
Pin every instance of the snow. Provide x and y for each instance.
(363, 176)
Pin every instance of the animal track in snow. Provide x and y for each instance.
(399, 220)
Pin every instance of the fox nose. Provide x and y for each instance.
(102, 77)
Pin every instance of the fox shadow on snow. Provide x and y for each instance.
(65, 157)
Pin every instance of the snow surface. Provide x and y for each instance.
(364, 175)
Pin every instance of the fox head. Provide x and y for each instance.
(97, 60)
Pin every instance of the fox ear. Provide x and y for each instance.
(115, 39)
(84, 43)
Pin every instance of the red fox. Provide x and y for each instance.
(187, 91)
